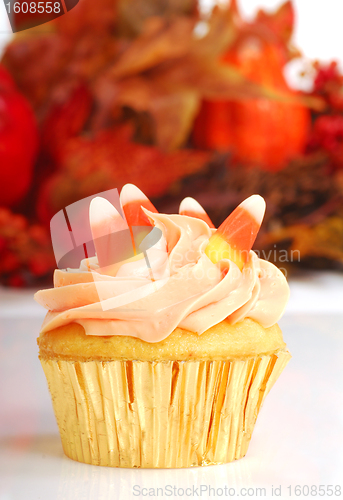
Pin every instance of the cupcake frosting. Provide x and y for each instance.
(172, 284)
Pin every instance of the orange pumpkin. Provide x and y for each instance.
(259, 131)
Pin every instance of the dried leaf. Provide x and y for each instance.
(280, 22)
(36, 63)
(323, 240)
(272, 27)
(66, 120)
(88, 18)
(110, 160)
(221, 32)
(158, 42)
(134, 13)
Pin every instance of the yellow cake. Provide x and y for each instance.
(221, 342)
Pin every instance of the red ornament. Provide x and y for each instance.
(18, 142)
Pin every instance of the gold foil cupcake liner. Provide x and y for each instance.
(159, 414)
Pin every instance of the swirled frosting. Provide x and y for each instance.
(187, 289)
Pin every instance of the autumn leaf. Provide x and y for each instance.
(133, 13)
(280, 22)
(323, 240)
(221, 31)
(159, 41)
(273, 27)
(110, 160)
(72, 50)
(66, 120)
(88, 18)
(36, 80)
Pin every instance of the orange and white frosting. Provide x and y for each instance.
(181, 287)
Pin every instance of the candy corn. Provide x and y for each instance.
(132, 199)
(110, 232)
(189, 206)
(235, 237)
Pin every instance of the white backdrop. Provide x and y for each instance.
(318, 31)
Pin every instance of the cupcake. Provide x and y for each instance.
(159, 353)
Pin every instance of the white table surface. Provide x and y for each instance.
(298, 438)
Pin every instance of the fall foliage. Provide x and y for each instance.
(181, 104)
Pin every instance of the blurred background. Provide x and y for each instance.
(181, 98)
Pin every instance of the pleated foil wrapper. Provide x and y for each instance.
(159, 414)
